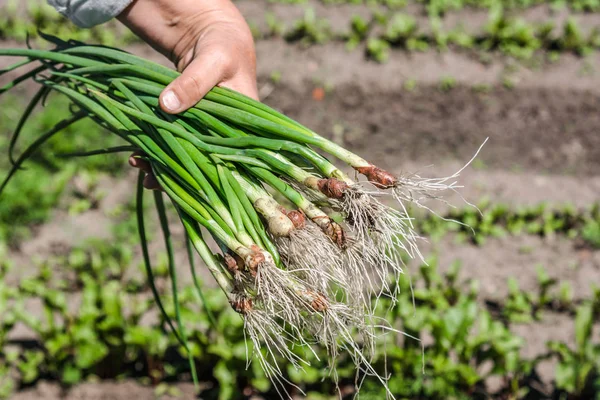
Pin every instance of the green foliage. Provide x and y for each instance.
(310, 29)
(448, 310)
(508, 35)
(275, 27)
(109, 334)
(378, 50)
(359, 31)
(572, 39)
(447, 83)
(591, 232)
(513, 37)
(23, 19)
(578, 369)
(498, 220)
(400, 28)
(38, 187)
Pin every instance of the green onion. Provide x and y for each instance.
(303, 246)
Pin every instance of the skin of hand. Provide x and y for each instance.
(209, 42)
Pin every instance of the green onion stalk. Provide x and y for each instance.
(303, 246)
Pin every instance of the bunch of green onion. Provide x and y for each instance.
(299, 276)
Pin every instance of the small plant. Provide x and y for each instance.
(359, 30)
(275, 77)
(513, 37)
(447, 83)
(400, 29)
(310, 29)
(482, 88)
(410, 85)
(572, 39)
(591, 232)
(518, 306)
(276, 28)
(378, 50)
(578, 369)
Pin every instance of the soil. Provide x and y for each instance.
(544, 146)
(126, 390)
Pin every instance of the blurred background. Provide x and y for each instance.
(508, 310)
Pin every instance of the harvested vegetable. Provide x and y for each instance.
(300, 274)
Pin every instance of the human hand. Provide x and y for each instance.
(209, 42)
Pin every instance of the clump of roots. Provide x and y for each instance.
(277, 290)
(271, 342)
(379, 234)
(334, 325)
(374, 223)
(337, 326)
(416, 189)
(311, 256)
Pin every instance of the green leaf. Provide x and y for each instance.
(565, 377)
(584, 320)
(58, 343)
(259, 379)
(71, 375)
(30, 366)
(89, 354)
(226, 378)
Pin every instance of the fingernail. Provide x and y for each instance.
(171, 101)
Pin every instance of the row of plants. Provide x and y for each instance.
(377, 35)
(497, 220)
(439, 7)
(383, 31)
(22, 20)
(97, 321)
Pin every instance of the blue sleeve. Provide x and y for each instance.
(89, 13)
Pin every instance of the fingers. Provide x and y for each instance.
(137, 162)
(150, 181)
(206, 70)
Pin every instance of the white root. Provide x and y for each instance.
(416, 189)
(329, 292)
(313, 258)
(271, 342)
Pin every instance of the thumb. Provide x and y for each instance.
(200, 76)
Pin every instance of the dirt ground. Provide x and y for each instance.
(544, 146)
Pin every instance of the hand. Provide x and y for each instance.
(209, 42)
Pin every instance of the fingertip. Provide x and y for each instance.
(133, 161)
(170, 101)
(201, 75)
(137, 162)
